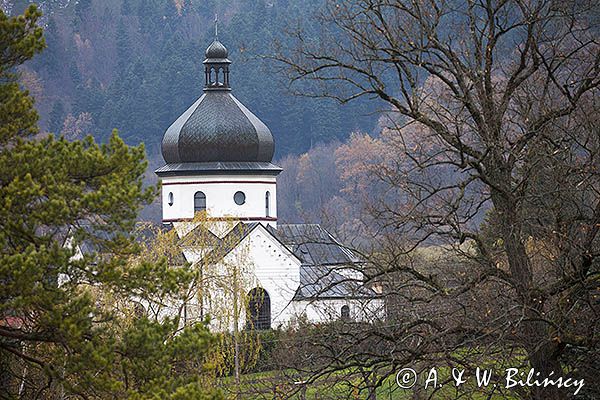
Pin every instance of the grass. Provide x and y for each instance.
(345, 385)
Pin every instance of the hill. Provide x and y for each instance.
(136, 65)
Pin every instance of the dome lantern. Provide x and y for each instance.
(216, 67)
(216, 64)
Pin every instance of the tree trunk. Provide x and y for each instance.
(536, 338)
(236, 316)
(544, 358)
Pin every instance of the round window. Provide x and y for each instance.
(239, 198)
(170, 199)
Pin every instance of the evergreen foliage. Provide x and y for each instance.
(66, 326)
(137, 65)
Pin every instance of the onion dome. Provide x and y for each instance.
(217, 127)
(216, 50)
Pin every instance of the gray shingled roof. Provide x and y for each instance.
(216, 50)
(232, 239)
(314, 245)
(92, 244)
(319, 282)
(217, 167)
(202, 232)
(323, 259)
(217, 127)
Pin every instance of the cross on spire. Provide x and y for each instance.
(216, 27)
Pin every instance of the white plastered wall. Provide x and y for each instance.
(327, 310)
(219, 191)
(268, 265)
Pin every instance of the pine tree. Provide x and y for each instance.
(66, 329)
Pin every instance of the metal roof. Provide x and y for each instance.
(93, 244)
(322, 281)
(314, 245)
(217, 127)
(323, 262)
(217, 167)
(216, 50)
(231, 240)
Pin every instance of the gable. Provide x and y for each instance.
(256, 232)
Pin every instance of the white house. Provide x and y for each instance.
(218, 161)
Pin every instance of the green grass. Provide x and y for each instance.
(348, 383)
(276, 385)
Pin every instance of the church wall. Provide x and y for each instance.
(327, 310)
(274, 269)
(219, 191)
(269, 265)
(264, 263)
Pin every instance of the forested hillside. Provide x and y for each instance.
(136, 65)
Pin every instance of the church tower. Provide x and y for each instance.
(218, 156)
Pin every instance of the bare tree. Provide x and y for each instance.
(493, 109)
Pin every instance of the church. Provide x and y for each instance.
(218, 162)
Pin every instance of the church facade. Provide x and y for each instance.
(218, 162)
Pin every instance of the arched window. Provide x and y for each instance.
(138, 309)
(259, 310)
(199, 202)
(345, 312)
(170, 198)
(268, 204)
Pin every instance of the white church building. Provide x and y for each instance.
(218, 161)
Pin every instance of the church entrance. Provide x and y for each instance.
(259, 310)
